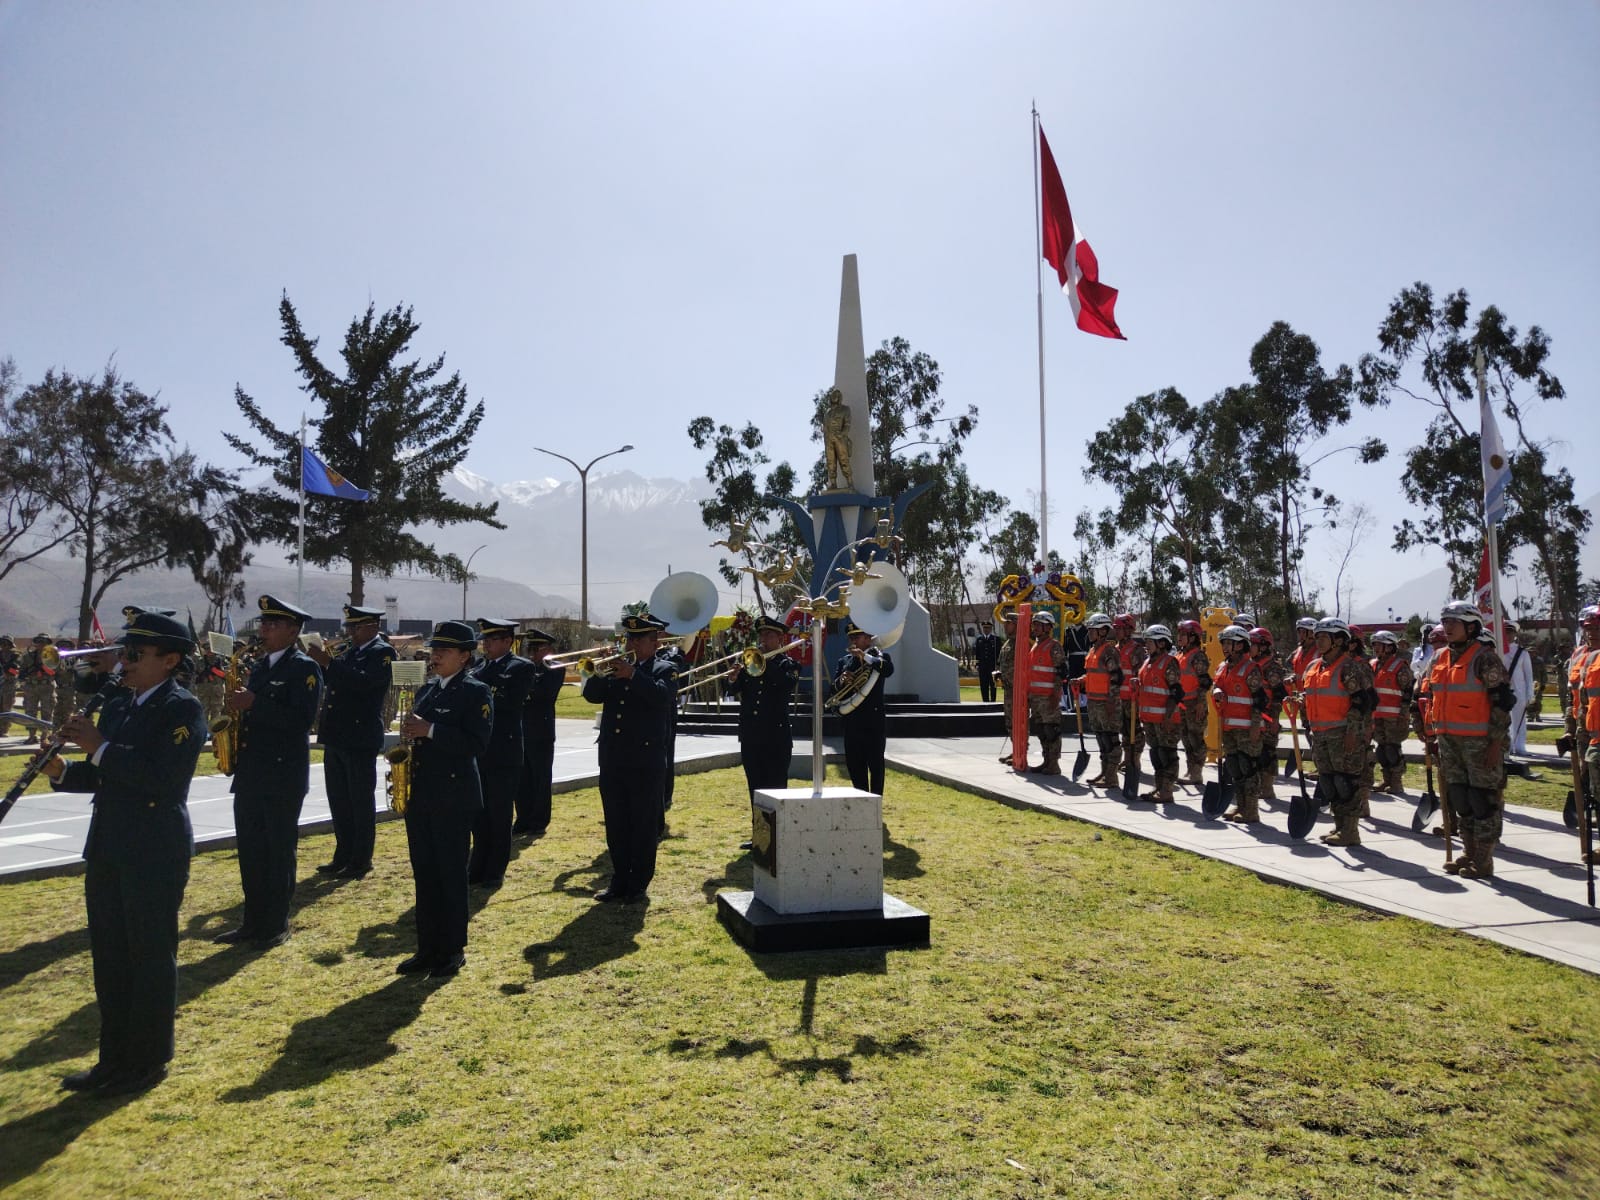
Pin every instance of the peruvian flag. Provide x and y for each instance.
(1093, 303)
(1484, 599)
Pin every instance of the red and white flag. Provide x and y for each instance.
(1483, 597)
(1093, 303)
(94, 627)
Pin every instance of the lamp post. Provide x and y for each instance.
(466, 574)
(583, 488)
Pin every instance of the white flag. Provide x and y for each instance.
(1496, 468)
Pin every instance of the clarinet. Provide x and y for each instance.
(45, 754)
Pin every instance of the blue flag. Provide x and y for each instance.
(319, 478)
(227, 623)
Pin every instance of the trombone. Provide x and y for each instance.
(576, 656)
(751, 660)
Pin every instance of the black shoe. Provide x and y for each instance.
(355, 871)
(83, 1081)
(331, 868)
(234, 936)
(520, 828)
(608, 894)
(130, 1080)
(747, 845)
(271, 940)
(450, 967)
(415, 965)
(491, 885)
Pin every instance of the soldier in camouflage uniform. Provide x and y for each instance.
(1131, 655)
(1005, 665)
(10, 667)
(1391, 673)
(1472, 703)
(1099, 686)
(1584, 692)
(209, 672)
(1272, 678)
(1339, 701)
(1241, 697)
(1046, 658)
(1196, 675)
(63, 703)
(1160, 697)
(38, 683)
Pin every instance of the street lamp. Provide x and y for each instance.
(583, 482)
(466, 574)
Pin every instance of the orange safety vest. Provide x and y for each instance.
(1042, 677)
(1274, 708)
(1386, 680)
(1461, 702)
(1591, 686)
(1575, 675)
(1096, 678)
(1299, 661)
(1188, 676)
(1237, 710)
(1125, 653)
(1153, 694)
(1327, 703)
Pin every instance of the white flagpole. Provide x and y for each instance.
(1038, 279)
(300, 557)
(1489, 527)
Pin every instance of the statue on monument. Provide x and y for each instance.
(836, 444)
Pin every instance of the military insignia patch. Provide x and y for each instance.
(485, 712)
(180, 735)
(311, 681)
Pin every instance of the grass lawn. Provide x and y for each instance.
(1096, 1015)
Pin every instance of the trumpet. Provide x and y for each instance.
(572, 657)
(589, 667)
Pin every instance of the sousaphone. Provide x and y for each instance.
(686, 602)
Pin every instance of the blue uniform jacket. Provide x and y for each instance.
(274, 750)
(444, 767)
(764, 701)
(508, 678)
(539, 712)
(357, 681)
(141, 784)
(870, 712)
(636, 714)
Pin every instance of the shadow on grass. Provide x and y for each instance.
(17, 964)
(902, 862)
(358, 1033)
(599, 934)
(35, 1139)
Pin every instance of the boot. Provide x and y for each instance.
(1249, 811)
(1481, 864)
(1366, 807)
(1394, 781)
(1347, 833)
(1468, 849)
(1196, 773)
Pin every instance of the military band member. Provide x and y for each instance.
(672, 654)
(508, 677)
(1131, 655)
(351, 733)
(448, 729)
(766, 740)
(1241, 696)
(1472, 703)
(986, 652)
(37, 678)
(276, 709)
(142, 752)
(636, 697)
(866, 726)
(1194, 669)
(538, 736)
(1005, 666)
(1160, 697)
(1100, 685)
(1339, 701)
(1392, 680)
(1273, 678)
(1046, 660)
(10, 669)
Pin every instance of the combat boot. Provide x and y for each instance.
(1196, 774)
(1348, 833)
(1468, 846)
(1481, 864)
(1249, 810)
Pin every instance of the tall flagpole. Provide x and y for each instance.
(1038, 280)
(300, 558)
(1489, 526)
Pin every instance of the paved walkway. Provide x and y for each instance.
(1535, 903)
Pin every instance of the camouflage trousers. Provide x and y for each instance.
(38, 700)
(1267, 762)
(1474, 787)
(1340, 765)
(1133, 729)
(1165, 738)
(1390, 732)
(1104, 719)
(65, 699)
(209, 694)
(1194, 734)
(8, 700)
(1044, 723)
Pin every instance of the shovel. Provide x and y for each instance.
(1131, 774)
(1429, 804)
(1302, 809)
(1217, 795)
(1081, 763)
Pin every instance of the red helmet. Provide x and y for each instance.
(1260, 636)
(1355, 632)
(1437, 637)
(1122, 621)
(1191, 627)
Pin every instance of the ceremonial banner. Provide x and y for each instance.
(1496, 468)
(318, 478)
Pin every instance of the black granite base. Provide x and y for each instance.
(762, 929)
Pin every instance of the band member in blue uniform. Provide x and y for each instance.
(142, 752)
(766, 741)
(637, 694)
(276, 709)
(672, 654)
(538, 736)
(351, 734)
(448, 728)
(508, 676)
(863, 671)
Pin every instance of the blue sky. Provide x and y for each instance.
(613, 218)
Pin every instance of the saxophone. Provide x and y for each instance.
(225, 729)
(398, 785)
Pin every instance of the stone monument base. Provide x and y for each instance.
(761, 929)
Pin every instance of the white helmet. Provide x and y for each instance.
(1234, 633)
(1097, 621)
(1332, 625)
(1461, 610)
(1384, 638)
(1159, 633)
